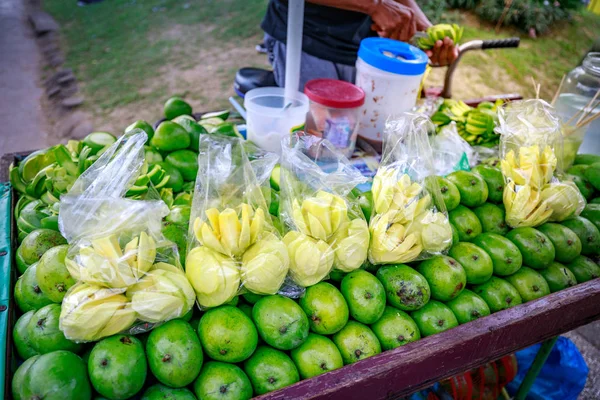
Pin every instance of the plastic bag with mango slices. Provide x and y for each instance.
(129, 276)
(324, 225)
(406, 225)
(232, 243)
(530, 149)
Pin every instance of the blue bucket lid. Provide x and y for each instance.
(393, 56)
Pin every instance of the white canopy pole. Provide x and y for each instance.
(293, 48)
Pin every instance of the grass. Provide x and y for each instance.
(130, 55)
(116, 47)
(546, 58)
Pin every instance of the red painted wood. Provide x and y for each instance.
(419, 364)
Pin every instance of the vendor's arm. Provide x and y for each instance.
(390, 18)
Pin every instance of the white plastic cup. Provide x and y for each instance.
(268, 120)
(390, 73)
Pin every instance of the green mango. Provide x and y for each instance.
(434, 317)
(227, 334)
(588, 234)
(395, 328)
(270, 369)
(498, 294)
(152, 156)
(473, 189)
(592, 213)
(584, 186)
(505, 255)
(492, 218)
(584, 269)
(37, 243)
(143, 125)
(565, 241)
(176, 106)
(529, 283)
(60, 375)
(28, 295)
(586, 159)
(44, 334)
(477, 264)
(592, 174)
(175, 181)
(117, 366)
(466, 223)
(52, 275)
(356, 342)
(222, 381)
(161, 392)
(445, 275)
(468, 306)
(316, 356)
(558, 277)
(186, 161)
(494, 180)
(325, 307)
(174, 353)
(405, 288)
(193, 128)
(365, 296)
(281, 322)
(170, 136)
(450, 193)
(25, 350)
(536, 248)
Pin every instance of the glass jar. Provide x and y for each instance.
(579, 87)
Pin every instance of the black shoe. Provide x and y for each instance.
(261, 48)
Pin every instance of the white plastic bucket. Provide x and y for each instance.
(390, 74)
(268, 120)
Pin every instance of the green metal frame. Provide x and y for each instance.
(5, 261)
(536, 367)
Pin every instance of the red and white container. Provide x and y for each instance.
(334, 112)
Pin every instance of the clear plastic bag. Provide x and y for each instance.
(406, 225)
(451, 152)
(530, 149)
(232, 242)
(325, 227)
(126, 270)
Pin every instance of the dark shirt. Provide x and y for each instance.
(329, 33)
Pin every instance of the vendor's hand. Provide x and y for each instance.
(393, 20)
(443, 53)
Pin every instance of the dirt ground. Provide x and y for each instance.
(205, 80)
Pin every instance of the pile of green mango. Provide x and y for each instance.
(257, 344)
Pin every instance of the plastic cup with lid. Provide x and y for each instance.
(334, 112)
(270, 116)
(390, 73)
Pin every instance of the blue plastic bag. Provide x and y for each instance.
(562, 377)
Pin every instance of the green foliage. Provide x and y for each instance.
(434, 9)
(463, 4)
(527, 14)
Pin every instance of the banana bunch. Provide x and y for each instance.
(311, 259)
(320, 216)
(215, 277)
(531, 196)
(351, 244)
(90, 312)
(228, 233)
(265, 265)
(104, 262)
(439, 32)
(162, 294)
(405, 224)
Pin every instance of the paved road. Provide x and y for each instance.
(22, 122)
